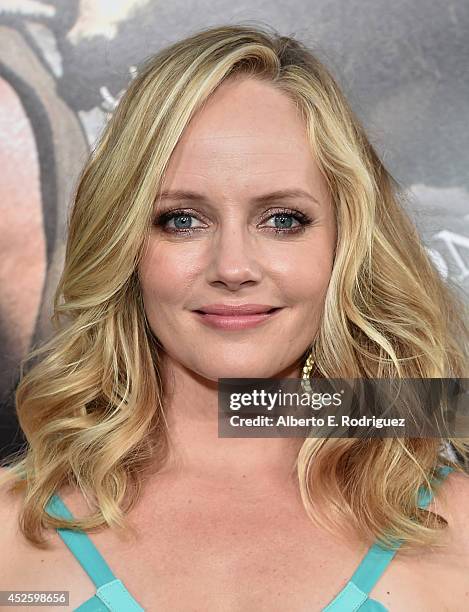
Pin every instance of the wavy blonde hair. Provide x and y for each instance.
(92, 404)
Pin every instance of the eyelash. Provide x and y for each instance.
(302, 218)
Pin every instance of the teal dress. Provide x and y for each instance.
(111, 594)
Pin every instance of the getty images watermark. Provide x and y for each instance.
(339, 407)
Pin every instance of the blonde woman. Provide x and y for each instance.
(234, 221)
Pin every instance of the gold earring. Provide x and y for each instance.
(308, 366)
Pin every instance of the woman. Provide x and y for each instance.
(233, 172)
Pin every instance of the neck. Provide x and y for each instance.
(191, 410)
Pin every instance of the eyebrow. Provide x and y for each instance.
(282, 194)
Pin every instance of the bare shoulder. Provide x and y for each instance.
(10, 535)
(21, 568)
(10, 504)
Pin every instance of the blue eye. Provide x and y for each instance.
(182, 220)
(286, 220)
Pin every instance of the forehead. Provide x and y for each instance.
(247, 133)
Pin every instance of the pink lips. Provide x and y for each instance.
(235, 316)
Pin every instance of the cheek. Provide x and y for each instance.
(166, 275)
(304, 273)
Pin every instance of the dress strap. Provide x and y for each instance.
(372, 566)
(111, 594)
(378, 557)
(356, 591)
(425, 496)
(81, 546)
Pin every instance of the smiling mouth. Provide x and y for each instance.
(233, 322)
(239, 315)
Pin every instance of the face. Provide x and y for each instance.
(228, 243)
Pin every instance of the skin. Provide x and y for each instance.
(247, 141)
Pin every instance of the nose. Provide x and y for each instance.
(234, 258)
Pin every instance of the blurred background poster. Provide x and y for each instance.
(64, 66)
